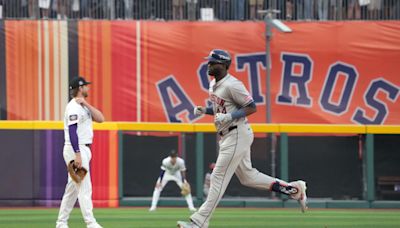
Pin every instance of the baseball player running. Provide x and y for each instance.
(172, 169)
(78, 133)
(231, 103)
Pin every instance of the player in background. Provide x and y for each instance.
(207, 179)
(231, 103)
(78, 134)
(172, 169)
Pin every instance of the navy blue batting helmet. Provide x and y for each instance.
(219, 56)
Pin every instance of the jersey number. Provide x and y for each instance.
(221, 109)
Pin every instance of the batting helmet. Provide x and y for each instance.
(219, 56)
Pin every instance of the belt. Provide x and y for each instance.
(222, 133)
(88, 145)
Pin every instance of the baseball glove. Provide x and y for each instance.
(77, 174)
(185, 190)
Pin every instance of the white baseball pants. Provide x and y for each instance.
(167, 178)
(74, 191)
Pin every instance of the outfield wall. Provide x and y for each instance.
(127, 156)
(34, 171)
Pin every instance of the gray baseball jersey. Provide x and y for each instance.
(228, 95)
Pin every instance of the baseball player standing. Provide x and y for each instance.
(231, 103)
(78, 133)
(172, 169)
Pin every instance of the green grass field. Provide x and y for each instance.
(223, 217)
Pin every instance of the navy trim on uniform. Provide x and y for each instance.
(73, 136)
(162, 174)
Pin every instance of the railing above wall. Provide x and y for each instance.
(207, 10)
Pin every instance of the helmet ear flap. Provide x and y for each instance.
(228, 64)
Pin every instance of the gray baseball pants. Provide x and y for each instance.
(233, 157)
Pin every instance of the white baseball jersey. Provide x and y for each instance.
(173, 169)
(76, 113)
(228, 95)
(172, 173)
